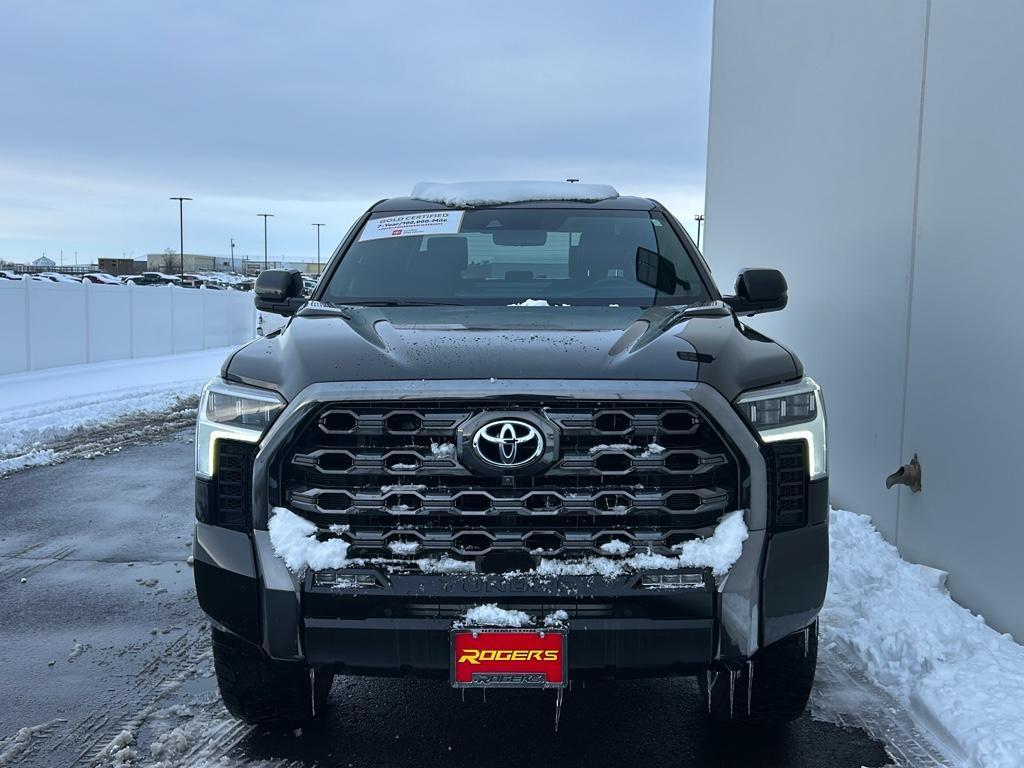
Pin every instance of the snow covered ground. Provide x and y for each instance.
(960, 679)
(41, 410)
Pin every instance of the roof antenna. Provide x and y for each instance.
(572, 181)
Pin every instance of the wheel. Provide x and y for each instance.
(257, 689)
(773, 687)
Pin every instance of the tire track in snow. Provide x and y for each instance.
(89, 442)
(844, 696)
(41, 555)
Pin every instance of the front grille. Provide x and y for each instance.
(650, 475)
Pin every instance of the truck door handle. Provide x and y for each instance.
(908, 474)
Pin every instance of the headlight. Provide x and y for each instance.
(790, 412)
(234, 412)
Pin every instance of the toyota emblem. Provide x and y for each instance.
(508, 443)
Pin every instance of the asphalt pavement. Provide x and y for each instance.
(105, 660)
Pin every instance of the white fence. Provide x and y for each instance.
(44, 325)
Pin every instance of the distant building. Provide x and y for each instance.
(194, 262)
(253, 267)
(120, 266)
(44, 262)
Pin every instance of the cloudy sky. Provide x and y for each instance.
(314, 110)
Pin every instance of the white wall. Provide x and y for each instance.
(873, 152)
(43, 325)
(966, 354)
(811, 165)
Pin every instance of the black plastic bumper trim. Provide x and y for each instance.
(597, 648)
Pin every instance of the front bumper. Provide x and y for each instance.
(245, 587)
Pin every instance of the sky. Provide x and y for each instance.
(313, 111)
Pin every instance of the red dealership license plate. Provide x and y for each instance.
(509, 658)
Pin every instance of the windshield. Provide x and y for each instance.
(516, 256)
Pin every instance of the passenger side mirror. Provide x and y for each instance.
(279, 291)
(757, 291)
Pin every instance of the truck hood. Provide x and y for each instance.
(432, 343)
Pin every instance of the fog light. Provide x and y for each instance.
(672, 581)
(335, 580)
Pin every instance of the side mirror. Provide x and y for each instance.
(759, 290)
(279, 291)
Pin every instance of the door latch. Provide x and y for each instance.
(908, 475)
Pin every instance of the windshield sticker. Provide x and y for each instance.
(409, 224)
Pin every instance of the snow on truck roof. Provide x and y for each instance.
(472, 193)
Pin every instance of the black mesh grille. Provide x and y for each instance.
(647, 474)
(234, 484)
(786, 463)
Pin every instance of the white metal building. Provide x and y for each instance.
(874, 151)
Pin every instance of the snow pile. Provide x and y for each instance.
(556, 619)
(531, 303)
(42, 408)
(120, 751)
(404, 548)
(294, 540)
(718, 552)
(401, 488)
(441, 451)
(498, 192)
(20, 744)
(613, 447)
(652, 450)
(491, 615)
(615, 547)
(445, 565)
(960, 678)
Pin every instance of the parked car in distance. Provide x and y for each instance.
(156, 278)
(59, 277)
(6, 274)
(101, 278)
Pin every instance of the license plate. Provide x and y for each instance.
(509, 658)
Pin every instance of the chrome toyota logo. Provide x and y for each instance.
(508, 443)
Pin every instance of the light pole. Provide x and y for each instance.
(699, 218)
(318, 248)
(181, 230)
(232, 254)
(265, 217)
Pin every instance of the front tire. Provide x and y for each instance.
(772, 688)
(258, 689)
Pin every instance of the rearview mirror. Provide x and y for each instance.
(757, 291)
(279, 291)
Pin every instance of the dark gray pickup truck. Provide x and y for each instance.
(515, 437)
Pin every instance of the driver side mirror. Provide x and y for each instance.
(757, 291)
(279, 291)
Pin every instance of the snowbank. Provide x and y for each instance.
(40, 408)
(960, 678)
(498, 192)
